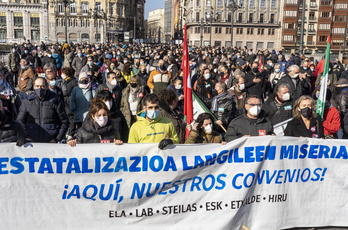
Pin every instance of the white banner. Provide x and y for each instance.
(259, 182)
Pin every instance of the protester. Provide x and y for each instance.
(253, 123)
(13, 60)
(151, 126)
(239, 94)
(254, 81)
(305, 122)
(159, 78)
(112, 86)
(204, 87)
(43, 115)
(78, 62)
(26, 77)
(8, 95)
(97, 127)
(203, 131)
(52, 85)
(331, 118)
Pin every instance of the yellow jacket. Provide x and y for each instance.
(144, 131)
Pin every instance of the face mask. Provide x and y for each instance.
(108, 104)
(137, 64)
(113, 82)
(215, 70)
(161, 67)
(277, 70)
(255, 111)
(255, 70)
(208, 129)
(178, 87)
(329, 69)
(312, 69)
(286, 97)
(79, 54)
(133, 85)
(241, 87)
(294, 76)
(207, 76)
(49, 55)
(141, 62)
(101, 121)
(13, 50)
(43, 75)
(1, 81)
(305, 68)
(83, 86)
(214, 62)
(90, 63)
(306, 112)
(53, 83)
(152, 114)
(23, 67)
(40, 92)
(26, 51)
(250, 53)
(63, 76)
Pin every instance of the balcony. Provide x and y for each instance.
(313, 6)
(312, 43)
(312, 19)
(312, 31)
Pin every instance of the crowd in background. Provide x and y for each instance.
(125, 93)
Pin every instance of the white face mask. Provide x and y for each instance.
(255, 110)
(208, 129)
(241, 86)
(63, 76)
(178, 87)
(108, 104)
(215, 70)
(277, 70)
(101, 121)
(286, 97)
(294, 76)
(113, 82)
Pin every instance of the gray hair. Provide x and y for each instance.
(282, 86)
(50, 65)
(294, 67)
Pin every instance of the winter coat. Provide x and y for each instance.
(177, 120)
(115, 90)
(332, 78)
(332, 121)
(71, 83)
(10, 130)
(85, 69)
(45, 60)
(254, 88)
(239, 100)
(204, 90)
(342, 101)
(226, 109)
(80, 101)
(243, 125)
(277, 114)
(26, 79)
(159, 80)
(297, 128)
(13, 60)
(145, 131)
(91, 132)
(197, 137)
(125, 109)
(58, 59)
(302, 87)
(68, 59)
(119, 123)
(45, 119)
(77, 64)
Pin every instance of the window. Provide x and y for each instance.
(240, 17)
(72, 8)
(18, 33)
(250, 31)
(60, 8)
(341, 6)
(70, 23)
(310, 28)
(290, 13)
(228, 30)
(198, 3)
(263, 3)
(337, 42)
(84, 7)
(197, 30)
(218, 30)
(260, 31)
(311, 16)
(229, 17)
(35, 35)
(3, 21)
(289, 26)
(288, 38)
(98, 6)
(219, 2)
(251, 17)
(340, 18)
(87, 23)
(325, 14)
(259, 45)
(82, 23)
(75, 23)
(197, 16)
(219, 16)
(34, 21)
(57, 22)
(120, 10)
(252, 3)
(291, 2)
(3, 34)
(239, 30)
(272, 18)
(338, 30)
(273, 30)
(270, 45)
(112, 8)
(18, 21)
(249, 45)
(313, 3)
(326, 2)
(208, 3)
(324, 26)
(273, 3)
(310, 40)
(322, 38)
(62, 22)
(261, 18)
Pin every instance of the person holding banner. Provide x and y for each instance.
(151, 126)
(202, 131)
(97, 127)
(253, 123)
(305, 122)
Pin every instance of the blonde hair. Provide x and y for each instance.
(297, 114)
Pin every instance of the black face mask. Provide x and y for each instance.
(40, 92)
(133, 85)
(85, 81)
(137, 64)
(233, 69)
(255, 70)
(306, 112)
(161, 67)
(214, 92)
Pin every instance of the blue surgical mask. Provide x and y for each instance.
(79, 54)
(152, 114)
(43, 75)
(13, 50)
(53, 83)
(26, 51)
(90, 63)
(207, 76)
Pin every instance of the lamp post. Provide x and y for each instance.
(210, 18)
(201, 24)
(233, 7)
(97, 14)
(66, 3)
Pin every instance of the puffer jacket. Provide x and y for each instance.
(125, 109)
(226, 109)
(58, 59)
(80, 101)
(91, 132)
(10, 130)
(159, 80)
(243, 125)
(154, 131)
(45, 119)
(177, 120)
(197, 137)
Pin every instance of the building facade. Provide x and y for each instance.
(256, 23)
(96, 21)
(155, 26)
(321, 18)
(22, 20)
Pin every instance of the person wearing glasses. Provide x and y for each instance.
(251, 123)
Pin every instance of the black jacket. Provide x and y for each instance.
(45, 119)
(243, 125)
(277, 114)
(91, 132)
(10, 130)
(252, 87)
(302, 87)
(119, 123)
(297, 128)
(70, 84)
(226, 109)
(116, 93)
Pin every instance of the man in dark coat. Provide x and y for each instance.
(112, 86)
(254, 81)
(43, 114)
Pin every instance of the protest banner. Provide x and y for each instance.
(252, 183)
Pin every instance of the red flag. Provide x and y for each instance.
(260, 65)
(188, 107)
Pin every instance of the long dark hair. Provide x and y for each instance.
(201, 118)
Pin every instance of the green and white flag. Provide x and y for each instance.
(199, 107)
(323, 86)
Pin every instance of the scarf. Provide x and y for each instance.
(134, 93)
(112, 87)
(215, 101)
(6, 89)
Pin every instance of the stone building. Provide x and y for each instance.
(257, 23)
(22, 20)
(155, 26)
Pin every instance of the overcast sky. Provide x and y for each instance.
(153, 5)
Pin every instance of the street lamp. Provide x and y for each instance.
(202, 24)
(233, 6)
(97, 14)
(66, 3)
(210, 17)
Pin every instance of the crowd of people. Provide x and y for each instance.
(125, 93)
